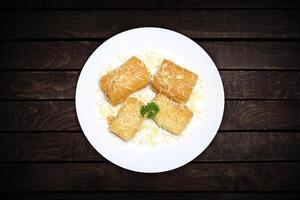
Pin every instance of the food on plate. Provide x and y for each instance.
(173, 86)
(172, 116)
(128, 78)
(174, 81)
(128, 121)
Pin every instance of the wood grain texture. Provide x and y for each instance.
(227, 55)
(149, 195)
(191, 177)
(254, 55)
(46, 55)
(193, 23)
(261, 115)
(261, 84)
(145, 4)
(61, 115)
(38, 85)
(38, 115)
(73, 146)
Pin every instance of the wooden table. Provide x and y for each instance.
(255, 44)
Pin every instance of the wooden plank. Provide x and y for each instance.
(261, 115)
(145, 4)
(38, 85)
(191, 177)
(38, 115)
(46, 55)
(227, 55)
(61, 115)
(73, 147)
(261, 85)
(237, 85)
(254, 55)
(193, 23)
(149, 195)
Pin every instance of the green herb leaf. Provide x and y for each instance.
(143, 110)
(151, 109)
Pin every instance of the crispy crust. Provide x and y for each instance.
(174, 81)
(173, 116)
(123, 81)
(128, 121)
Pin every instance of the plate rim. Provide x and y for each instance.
(149, 28)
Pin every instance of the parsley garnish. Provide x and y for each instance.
(151, 109)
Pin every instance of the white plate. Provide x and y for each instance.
(168, 151)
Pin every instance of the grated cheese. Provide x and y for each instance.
(149, 135)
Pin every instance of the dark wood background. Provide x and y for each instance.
(254, 43)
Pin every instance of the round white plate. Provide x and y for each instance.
(136, 156)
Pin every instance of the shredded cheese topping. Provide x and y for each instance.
(126, 78)
(150, 135)
(129, 117)
(174, 80)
